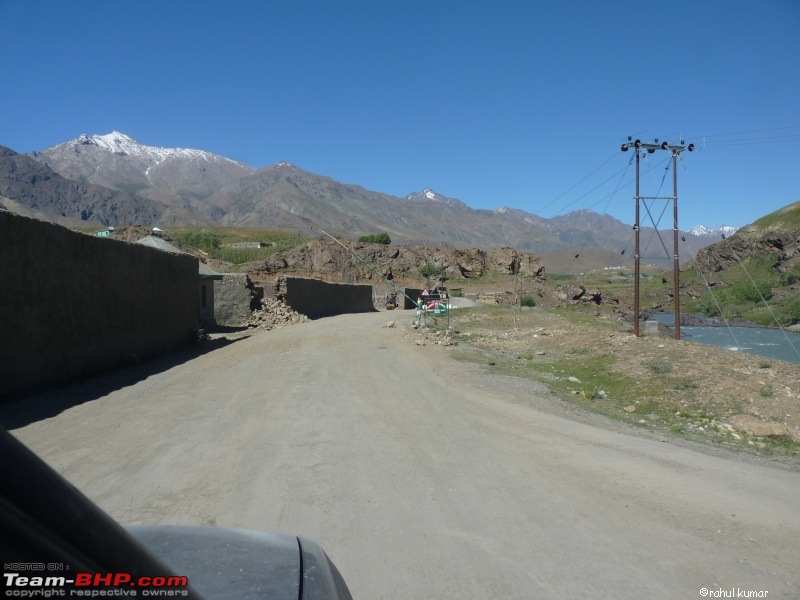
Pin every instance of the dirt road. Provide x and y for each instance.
(420, 476)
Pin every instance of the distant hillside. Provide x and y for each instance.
(34, 187)
(783, 219)
(584, 260)
(285, 196)
(198, 187)
(759, 262)
(26, 211)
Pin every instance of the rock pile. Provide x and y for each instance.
(326, 256)
(273, 314)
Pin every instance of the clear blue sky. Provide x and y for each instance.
(496, 103)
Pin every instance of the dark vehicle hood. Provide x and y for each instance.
(240, 564)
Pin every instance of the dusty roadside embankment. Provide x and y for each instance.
(684, 388)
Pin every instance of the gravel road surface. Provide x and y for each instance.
(421, 476)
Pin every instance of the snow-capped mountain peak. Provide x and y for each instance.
(173, 176)
(124, 145)
(702, 230)
(429, 195)
(113, 142)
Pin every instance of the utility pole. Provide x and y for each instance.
(639, 146)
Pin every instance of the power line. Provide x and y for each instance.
(630, 162)
(708, 135)
(713, 297)
(619, 187)
(749, 142)
(370, 267)
(600, 185)
(755, 286)
(758, 290)
(705, 143)
(755, 139)
(580, 182)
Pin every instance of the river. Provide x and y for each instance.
(763, 341)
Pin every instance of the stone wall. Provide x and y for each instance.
(315, 298)
(72, 303)
(235, 298)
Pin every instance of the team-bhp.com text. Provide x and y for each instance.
(94, 584)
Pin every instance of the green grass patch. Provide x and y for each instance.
(239, 256)
(594, 376)
(787, 217)
(659, 366)
(784, 312)
(213, 241)
(743, 292)
(683, 385)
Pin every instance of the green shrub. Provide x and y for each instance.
(789, 313)
(527, 301)
(429, 270)
(204, 240)
(745, 292)
(791, 276)
(376, 238)
(735, 300)
(659, 367)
